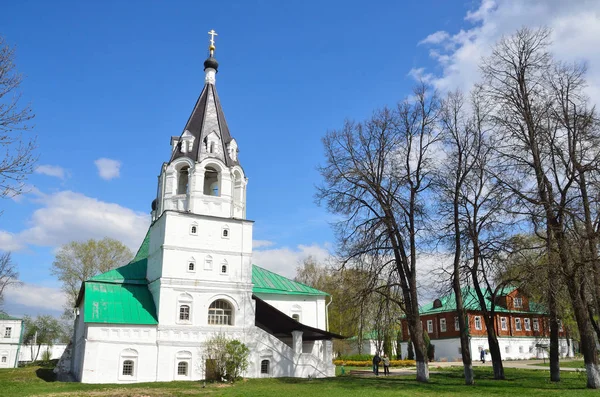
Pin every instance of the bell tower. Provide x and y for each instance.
(203, 175)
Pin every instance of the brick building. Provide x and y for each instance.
(521, 325)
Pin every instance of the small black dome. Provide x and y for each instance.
(211, 63)
(154, 205)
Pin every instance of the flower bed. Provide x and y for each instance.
(393, 363)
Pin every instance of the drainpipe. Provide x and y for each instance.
(327, 313)
(19, 345)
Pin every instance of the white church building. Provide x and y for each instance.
(193, 278)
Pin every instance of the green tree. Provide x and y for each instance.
(224, 358)
(76, 262)
(43, 330)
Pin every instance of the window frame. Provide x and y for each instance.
(456, 324)
(179, 367)
(503, 324)
(518, 302)
(527, 323)
(219, 312)
(184, 310)
(430, 326)
(194, 229)
(518, 324)
(536, 325)
(476, 321)
(8, 332)
(125, 356)
(268, 367)
(442, 325)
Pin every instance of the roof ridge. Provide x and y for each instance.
(290, 280)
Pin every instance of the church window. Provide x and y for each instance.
(128, 367)
(212, 147)
(296, 316)
(191, 266)
(3, 359)
(193, 230)
(264, 367)
(208, 263)
(220, 312)
(190, 145)
(237, 188)
(225, 232)
(184, 313)
(7, 332)
(211, 182)
(296, 312)
(182, 368)
(182, 180)
(224, 267)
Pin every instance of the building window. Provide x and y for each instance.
(193, 230)
(527, 324)
(521, 349)
(430, 326)
(4, 359)
(211, 182)
(182, 368)
(442, 325)
(518, 324)
(478, 323)
(518, 303)
(225, 232)
(456, 324)
(224, 267)
(7, 332)
(184, 313)
(507, 349)
(536, 324)
(264, 367)
(191, 266)
(503, 323)
(128, 367)
(182, 180)
(220, 312)
(296, 317)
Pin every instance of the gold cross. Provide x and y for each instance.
(212, 34)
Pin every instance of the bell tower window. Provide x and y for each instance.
(182, 180)
(211, 182)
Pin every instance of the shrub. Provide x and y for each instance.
(46, 355)
(356, 357)
(225, 358)
(431, 352)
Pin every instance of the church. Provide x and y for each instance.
(193, 278)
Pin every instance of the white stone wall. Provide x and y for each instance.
(9, 345)
(55, 350)
(510, 348)
(310, 308)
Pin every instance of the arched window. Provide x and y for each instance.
(182, 180)
(212, 147)
(225, 233)
(193, 229)
(224, 267)
(191, 266)
(211, 182)
(237, 188)
(128, 368)
(184, 308)
(220, 312)
(296, 316)
(184, 313)
(182, 368)
(296, 312)
(264, 367)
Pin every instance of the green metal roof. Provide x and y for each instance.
(267, 282)
(118, 304)
(4, 316)
(471, 302)
(132, 273)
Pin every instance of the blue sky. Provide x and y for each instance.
(115, 80)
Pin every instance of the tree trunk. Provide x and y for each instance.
(416, 336)
(552, 289)
(496, 356)
(465, 346)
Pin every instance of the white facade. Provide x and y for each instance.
(199, 274)
(511, 348)
(10, 338)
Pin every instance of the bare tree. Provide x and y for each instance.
(375, 177)
(17, 159)
(534, 149)
(8, 273)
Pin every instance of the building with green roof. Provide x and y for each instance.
(193, 278)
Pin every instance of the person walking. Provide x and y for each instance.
(386, 365)
(376, 361)
(482, 355)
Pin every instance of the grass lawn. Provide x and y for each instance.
(565, 364)
(37, 381)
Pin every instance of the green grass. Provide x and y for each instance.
(38, 381)
(565, 364)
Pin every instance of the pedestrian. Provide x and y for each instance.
(376, 361)
(386, 364)
(483, 356)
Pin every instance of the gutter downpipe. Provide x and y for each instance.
(20, 342)
(327, 313)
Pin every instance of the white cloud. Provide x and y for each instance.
(284, 261)
(435, 38)
(262, 243)
(51, 170)
(576, 36)
(108, 169)
(35, 296)
(67, 216)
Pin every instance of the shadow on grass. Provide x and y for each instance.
(46, 374)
